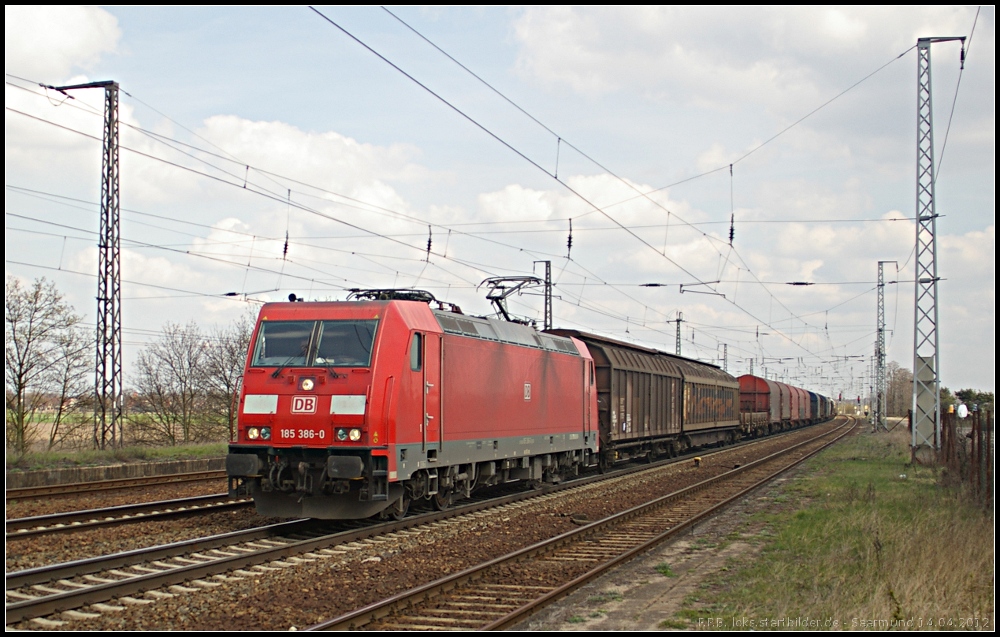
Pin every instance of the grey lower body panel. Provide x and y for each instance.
(411, 458)
(342, 506)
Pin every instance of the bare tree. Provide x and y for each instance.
(225, 360)
(45, 362)
(73, 388)
(899, 389)
(170, 379)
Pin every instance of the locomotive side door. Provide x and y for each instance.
(433, 427)
(588, 395)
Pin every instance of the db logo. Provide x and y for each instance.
(303, 404)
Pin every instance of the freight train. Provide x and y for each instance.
(358, 408)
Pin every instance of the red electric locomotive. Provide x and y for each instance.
(350, 409)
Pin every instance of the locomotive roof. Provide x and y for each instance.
(503, 331)
(451, 322)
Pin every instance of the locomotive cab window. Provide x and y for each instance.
(284, 343)
(417, 352)
(314, 344)
(345, 343)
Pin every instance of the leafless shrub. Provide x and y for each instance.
(47, 363)
(169, 380)
(185, 382)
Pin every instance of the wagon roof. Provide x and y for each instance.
(631, 356)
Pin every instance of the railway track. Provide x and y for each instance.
(205, 562)
(42, 591)
(504, 591)
(164, 571)
(120, 515)
(111, 485)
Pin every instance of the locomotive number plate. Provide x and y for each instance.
(302, 434)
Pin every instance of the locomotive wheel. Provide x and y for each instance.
(399, 511)
(441, 501)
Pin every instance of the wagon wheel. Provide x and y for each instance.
(441, 500)
(604, 463)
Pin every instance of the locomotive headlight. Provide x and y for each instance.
(355, 435)
(341, 435)
(265, 433)
(307, 384)
(253, 433)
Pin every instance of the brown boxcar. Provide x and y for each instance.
(652, 403)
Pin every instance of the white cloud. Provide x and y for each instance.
(717, 56)
(324, 159)
(47, 44)
(666, 92)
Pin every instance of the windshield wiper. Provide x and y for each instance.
(331, 370)
(280, 368)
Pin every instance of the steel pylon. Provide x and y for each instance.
(926, 402)
(108, 412)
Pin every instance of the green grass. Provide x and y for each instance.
(664, 569)
(694, 614)
(602, 598)
(57, 459)
(855, 542)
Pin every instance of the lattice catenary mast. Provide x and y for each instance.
(108, 374)
(926, 403)
(880, 379)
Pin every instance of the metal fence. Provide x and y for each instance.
(968, 454)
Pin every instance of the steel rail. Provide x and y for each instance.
(137, 583)
(379, 610)
(17, 528)
(107, 589)
(109, 485)
(527, 610)
(90, 565)
(217, 565)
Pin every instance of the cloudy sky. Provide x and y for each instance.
(359, 135)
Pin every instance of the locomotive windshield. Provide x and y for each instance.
(314, 344)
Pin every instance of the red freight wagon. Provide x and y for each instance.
(755, 405)
(784, 405)
(781, 402)
(793, 400)
(803, 403)
(349, 409)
